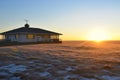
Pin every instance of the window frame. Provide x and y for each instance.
(16, 36)
(29, 36)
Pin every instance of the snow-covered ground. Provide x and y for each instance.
(67, 61)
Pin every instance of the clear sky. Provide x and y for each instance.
(75, 19)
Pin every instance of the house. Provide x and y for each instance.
(29, 34)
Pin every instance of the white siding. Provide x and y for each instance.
(12, 38)
(23, 38)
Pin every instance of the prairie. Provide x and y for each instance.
(71, 60)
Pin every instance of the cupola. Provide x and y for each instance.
(26, 25)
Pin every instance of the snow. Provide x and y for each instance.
(4, 73)
(56, 62)
(15, 78)
(68, 77)
(0, 62)
(69, 68)
(83, 78)
(44, 74)
(106, 71)
(61, 72)
(31, 62)
(12, 68)
(110, 77)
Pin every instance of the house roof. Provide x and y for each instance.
(28, 29)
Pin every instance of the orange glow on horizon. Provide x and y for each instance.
(98, 35)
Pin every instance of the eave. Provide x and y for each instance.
(31, 33)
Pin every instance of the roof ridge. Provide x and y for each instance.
(30, 30)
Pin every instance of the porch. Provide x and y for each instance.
(28, 38)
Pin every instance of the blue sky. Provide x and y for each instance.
(74, 18)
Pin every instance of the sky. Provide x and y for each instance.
(75, 19)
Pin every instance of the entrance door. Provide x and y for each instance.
(39, 39)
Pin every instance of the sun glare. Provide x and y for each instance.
(98, 36)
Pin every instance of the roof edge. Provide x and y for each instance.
(30, 33)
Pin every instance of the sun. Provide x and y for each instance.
(98, 36)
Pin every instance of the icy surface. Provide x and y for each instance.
(14, 68)
(4, 74)
(69, 68)
(44, 74)
(62, 72)
(68, 77)
(110, 78)
(15, 78)
(83, 78)
(66, 61)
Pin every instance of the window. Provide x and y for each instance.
(16, 36)
(54, 37)
(30, 36)
(46, 36)
(38, 35)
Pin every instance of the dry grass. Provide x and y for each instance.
(87, 59)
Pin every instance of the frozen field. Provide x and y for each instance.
(67, 61)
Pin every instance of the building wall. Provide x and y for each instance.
(11, 37)
(23, 38)
(37, 38)
(2, 37)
